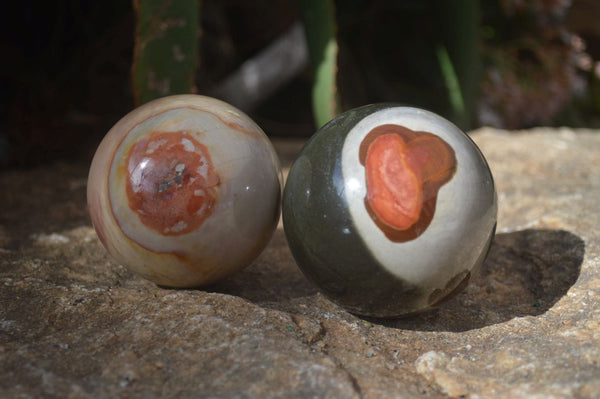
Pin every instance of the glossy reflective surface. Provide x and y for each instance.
(171, 182)
(389, 210)
(404, 170)
(185, 190)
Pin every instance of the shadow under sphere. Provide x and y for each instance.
(525, 274)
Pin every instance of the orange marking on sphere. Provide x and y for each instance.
(171, 182)
(404, 170)
(432, 157)
(393, 188)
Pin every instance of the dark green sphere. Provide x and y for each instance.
(389, 210)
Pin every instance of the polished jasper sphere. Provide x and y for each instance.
(389, 210)
(185, 190)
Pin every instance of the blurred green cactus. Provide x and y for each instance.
(319, 19)
(454, 57)
(459, 58)
(166, 48)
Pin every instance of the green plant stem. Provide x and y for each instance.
(166, 48)
(318, 17)
(461, 27)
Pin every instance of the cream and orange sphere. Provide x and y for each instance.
(185, 190)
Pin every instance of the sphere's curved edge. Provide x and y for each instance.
(189, 265)
(339, 254)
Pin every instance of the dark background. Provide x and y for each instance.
(66, 70)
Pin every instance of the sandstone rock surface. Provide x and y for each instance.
(75, 324)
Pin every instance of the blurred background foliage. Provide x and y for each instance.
(165, 55)
(75, 67)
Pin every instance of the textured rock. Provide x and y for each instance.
(73, 323)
